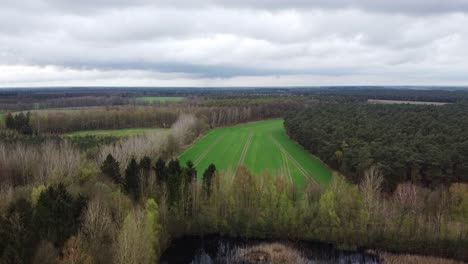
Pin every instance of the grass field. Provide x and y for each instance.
(373, 101)
(118, 132)
(259, 146)
(160, 99)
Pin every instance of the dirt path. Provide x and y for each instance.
(294, 161)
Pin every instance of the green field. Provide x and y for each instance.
(118, 132)
(160, 99)
(260, 146)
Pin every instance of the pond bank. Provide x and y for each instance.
(217, 249)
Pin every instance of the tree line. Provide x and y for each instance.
(117, 117)
(63, 121)
(427, 145)
(112, 218)
(19, 122)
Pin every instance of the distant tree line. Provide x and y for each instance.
(103, 118)
(27, 99)
(427, 145)
(362, 93)
(63, 121)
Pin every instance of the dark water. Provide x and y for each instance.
(208, 250)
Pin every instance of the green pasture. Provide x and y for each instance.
(260, 146)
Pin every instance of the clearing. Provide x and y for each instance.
(259, 146)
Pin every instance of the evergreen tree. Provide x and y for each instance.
(57, 214)
(189, 175)
(19, 122)
(190, 172)
(208, 177)
(161, 171)
(17, 234)
(110, 167)
(145, 168)
(145, 164)
(174, 181)
(132, 180)
(9, 121)
(174, 167)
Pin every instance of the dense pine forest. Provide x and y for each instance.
(427, 145)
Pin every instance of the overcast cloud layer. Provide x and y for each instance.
(233, 43)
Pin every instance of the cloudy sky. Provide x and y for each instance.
(233, 42)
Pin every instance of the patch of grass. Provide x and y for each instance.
(118, 132)
(259, 146)
(160, 99)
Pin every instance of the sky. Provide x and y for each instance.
(233, 42)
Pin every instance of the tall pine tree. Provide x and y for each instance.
(174, 182)
(190, 172)
(161, 171)
(208, 178)
(110, 167)
(132, 180)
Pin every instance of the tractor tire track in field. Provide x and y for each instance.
(294, 161)
(244, 150)
(242, 156)
(207, 150)
(286, 169)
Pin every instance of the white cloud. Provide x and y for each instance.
(58, 42)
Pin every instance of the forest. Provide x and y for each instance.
(398, 183)
(426, 145)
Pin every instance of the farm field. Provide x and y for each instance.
(160, 99)
(373, 101)
(118, 132)
(259, 146)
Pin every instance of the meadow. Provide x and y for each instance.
(160, 99)
(118, 132)
(260, 146)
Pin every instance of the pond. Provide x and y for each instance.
(216, 249)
